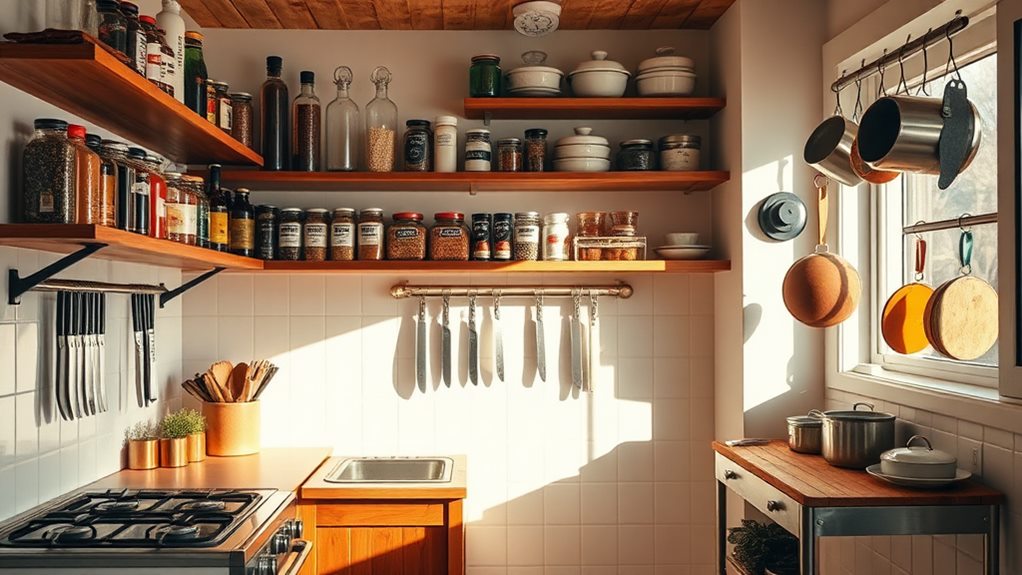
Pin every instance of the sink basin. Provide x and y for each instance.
(392, 470)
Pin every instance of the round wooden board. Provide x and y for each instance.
(821, 290)
(961, 318)
(902, 320)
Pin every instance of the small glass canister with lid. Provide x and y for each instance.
(406, 237)
(370, 234)
(448, 239)
(478, 150)
(342, 235)
(535, 150)
(241, 118)
(636, 155)
(555, 237)
(509, 155)
(314, 232)
(418, 146)
(484, 76)
(526, 239)
(589, 225)
(680, 152)
(289, 234)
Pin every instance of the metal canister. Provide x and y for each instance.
(502, 236)
(266, 232)
(482, 240)
(680, 152)
(804, 433)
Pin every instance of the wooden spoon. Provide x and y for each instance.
(237, 383)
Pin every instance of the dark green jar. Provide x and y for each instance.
(484, 76)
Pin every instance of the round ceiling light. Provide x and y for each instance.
(537, 17)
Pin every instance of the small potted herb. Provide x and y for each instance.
(174, 430)
(764, 548)
(142, 446)
(196, 434)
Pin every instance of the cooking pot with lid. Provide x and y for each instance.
(856, 438)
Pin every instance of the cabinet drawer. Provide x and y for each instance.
(780, 508)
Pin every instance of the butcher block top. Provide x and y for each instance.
(271, 468)
(811, 481)
(318, 488)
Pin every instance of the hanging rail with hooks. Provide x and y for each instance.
(892, 57)
(950, 224)
(620, 290)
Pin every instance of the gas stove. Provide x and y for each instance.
(221, 532)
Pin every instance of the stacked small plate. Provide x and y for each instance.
(582, 152)
(683, 246)
(666, 75)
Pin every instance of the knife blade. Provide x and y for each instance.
(150, 302)
(445, 357)
(101, 349)
(473, 341)
(594, 342)
(60, 368)
(420, 346)
(575, 335)
(498, 336)
(89, 318)
(136, 319)
(540, 339)
(73, 377)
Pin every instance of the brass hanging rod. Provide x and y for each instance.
(621, 290)
(959, 222)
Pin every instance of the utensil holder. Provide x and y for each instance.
(197, 446)
(143, 454)
(174, 452)
(232, 428)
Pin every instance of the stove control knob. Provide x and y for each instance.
(265, 565)
(297, 528)
(279, 543)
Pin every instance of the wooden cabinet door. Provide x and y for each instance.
(382, 550)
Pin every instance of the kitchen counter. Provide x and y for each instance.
(273, 468)
(317, 488)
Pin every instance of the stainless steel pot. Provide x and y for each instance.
(902, 133)
(855, 438)
(829, 149)
(804, 433)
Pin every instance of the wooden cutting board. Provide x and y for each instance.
(960, 319)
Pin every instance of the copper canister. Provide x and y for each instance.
(143, 454)
(197, 446)
(174, 452)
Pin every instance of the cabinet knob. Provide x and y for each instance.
(297, 528)
(774, 505)
(728, 474)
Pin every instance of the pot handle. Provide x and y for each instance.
(871, 407)
(920, 437)
(816, 413)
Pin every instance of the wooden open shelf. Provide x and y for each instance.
(475, 181)
(89, 82)
(426, 267)
(592, 108)
(121, 246)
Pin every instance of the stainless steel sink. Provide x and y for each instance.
(392, 470)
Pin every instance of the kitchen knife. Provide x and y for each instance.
(420, 346)
(136, 319)
(101, 351)
(540, 338)
(498, 336)
(575, 335)
(90, 359)
(473, 341)
(150, 302)
(60, 367)
(594, 342)
(74, 377)
(445, 357)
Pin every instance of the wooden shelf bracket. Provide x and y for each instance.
(17, 285)
(171, 294)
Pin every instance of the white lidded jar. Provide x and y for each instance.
(445, 144)
(680, 152)
(555, 237)
(170, 20)
(478, 150)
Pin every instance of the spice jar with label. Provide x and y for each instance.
(448, 239)
(266, 231)
(406, 237)
(484, 76)
(526, 240)
(113, 25)
(535, 150)
(242, 227)
(342, 235)
(509, 155)
(555, 237)
(370, 234)
(289, 234)
(180, 210)
(588, 225)
(418, 146)
(482, 225)
(87, 168)
(503, 235)
(680, 153)
(478, 151)
(445, 144)
(242, 116)
(212, 103)
(314, 234)
(107, 182)
(636, 155)
(48, 165)
(141, 191)
(157, 198)
(223, 106)
(197, 187)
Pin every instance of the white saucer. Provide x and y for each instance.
(534, 92)
(684, 246)
(683, 252)
(960, 475)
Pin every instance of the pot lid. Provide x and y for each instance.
(814, 419)
(535, 59)
(665, 57)
(919, 454)
(600, 63)
(582, 136)
(859, 415)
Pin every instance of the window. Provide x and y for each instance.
(913, 198)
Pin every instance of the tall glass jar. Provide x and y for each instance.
(107, 214)
(87, 177)
(181, 212)
(242, 115)
(157, 197)
(381, 125)
(242, 225)
(370, 234)
(49, 174)
(116, 153)
(141, 191)
(136, 38)
(535, 150)
(195, 74)
(343, 126)
(274, 117)
(113, 26)
(418, 146)
(484, 76)
(197, 187)
(267, 220)
(342, 235)
(305, 126)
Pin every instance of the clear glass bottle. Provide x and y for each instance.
(305, 126)
(343, 126)
(274, 117)
(381, 125)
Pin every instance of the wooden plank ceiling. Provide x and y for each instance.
(449, 14)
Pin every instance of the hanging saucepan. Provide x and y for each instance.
(902, 320)
(829, 147)
(821, 289)
(860, 167)
(961, 317)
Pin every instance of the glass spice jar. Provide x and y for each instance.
(555, 237)
(478, 151)
(588, 225)
(622, 224)
(484, 76)
(181, 211)
(418, 146)
(113, 26)
(87, 181)
(289, 234)
(314, 233)
(267, 218)
(509, 155)
(107, 213)
(212, 102)
(197, 186)
(115, 154)
(241, 118)
(526, 238)
(680, 152)
(448, 239)
(48, 165)
(503, 236)
(406, 237)
(223, 106)
(342, 235)
(157, 197)
(535, 150)
(636, 155)
(370, 234)
(482, 226)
